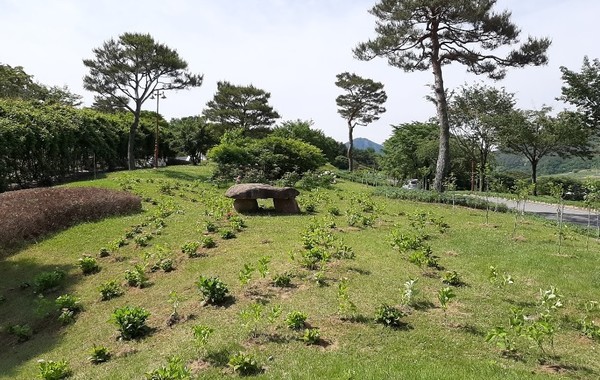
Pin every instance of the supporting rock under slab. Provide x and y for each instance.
(245, 205)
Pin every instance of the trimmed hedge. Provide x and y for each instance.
(28, 214)
(433, 197)
(42, 143)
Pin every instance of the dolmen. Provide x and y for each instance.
(246, 194)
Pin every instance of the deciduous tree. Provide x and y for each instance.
(582, 90)
(475, 112)
(418, 35)
(360, 105)
(302, 130)
(193, 136)
(129, 69)
(536, 134)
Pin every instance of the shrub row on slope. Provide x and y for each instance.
(31, 213)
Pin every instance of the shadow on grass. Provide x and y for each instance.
(22, 306)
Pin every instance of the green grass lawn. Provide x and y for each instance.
(432, 343)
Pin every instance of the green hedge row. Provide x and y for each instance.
(434, 197)
(40, 143)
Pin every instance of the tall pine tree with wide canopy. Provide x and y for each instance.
(131, 68)
(419, 35)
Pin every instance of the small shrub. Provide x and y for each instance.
(190, 248)
(104, 252)
(33, 215)
(99, 354)
(243, 364)
(227, 234)
(263, 266)
(22, 332)
(46, 281)
(142, 240)
(110, 290)
(311, 336)
(136, 277)
(310, 207)
(282, 280)
(334, 211)
(174, 370)
(131, 321)
(165, 264)
(68, 305)
(388, 316)
(208, 242)
(295, 320)
(213, 290)
(589, 329)
(246, 274)
(451, 278)
(88, 265)
(51, 370)
(210, 226)
(201, 334)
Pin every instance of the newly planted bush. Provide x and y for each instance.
(409, 293)
(388, 316)
(46, 281)
(208, 242)
(51, 370)
(244, 364)
(263, 266)
(210, 226)
(22, 332)
(227, 234)
(88, 265)
(282, 280)
(174, 370)
(136, 277)
(201, 334)
(295, 320)
(68, 305)
(346, 308)
(452, 278)
(213, 290)
(131, 321)
(110, 290)
(311, 336)
(99, 354)
(190, 248)
(246, 274)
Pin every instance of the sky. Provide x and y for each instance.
(292, 49)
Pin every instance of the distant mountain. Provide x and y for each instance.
(363, 144)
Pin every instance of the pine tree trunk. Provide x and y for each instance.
(443, 161)
(131, 142)
(350, 147)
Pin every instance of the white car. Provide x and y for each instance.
(412, 184)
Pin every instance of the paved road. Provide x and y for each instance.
(548, 211)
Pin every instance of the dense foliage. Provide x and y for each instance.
(40, 143)
(264, 159)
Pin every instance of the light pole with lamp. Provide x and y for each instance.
(157, 93)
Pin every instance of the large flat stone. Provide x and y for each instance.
(260, 191)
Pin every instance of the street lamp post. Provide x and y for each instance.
(158, 94)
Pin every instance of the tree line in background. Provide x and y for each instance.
(43, 135)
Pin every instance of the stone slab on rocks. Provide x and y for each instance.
(260, 191)
(246, 194)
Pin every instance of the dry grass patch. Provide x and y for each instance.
(31, 213)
